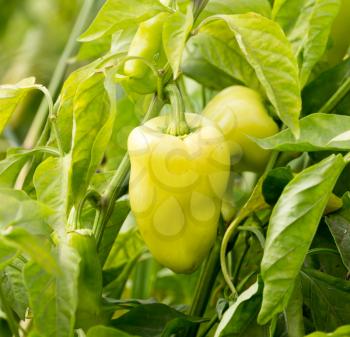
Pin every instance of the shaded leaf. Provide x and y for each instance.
(293, 224)
(149, 320)
(275, 182)
(104, 331)
(327, 297)
(317, 93)
(339, 226)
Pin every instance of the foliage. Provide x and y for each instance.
(280, 262)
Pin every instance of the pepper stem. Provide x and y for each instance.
(178, 125)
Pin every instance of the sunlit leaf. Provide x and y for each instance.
(293, 224)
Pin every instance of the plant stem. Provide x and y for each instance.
(115, 187)
(40, 117)
(178, 125)
(209, 326)
(204, 286)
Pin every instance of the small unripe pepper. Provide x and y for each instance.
(146, 45)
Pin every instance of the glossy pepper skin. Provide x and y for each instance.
(240, 113)
(146, 44)
(88, 311)
(176, 186)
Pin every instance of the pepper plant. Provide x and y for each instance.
(187, 175)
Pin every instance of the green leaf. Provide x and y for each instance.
(343, 331)
(52, 183)
(308, 24)
(53, 298)
(327, 297)
(104, 331)
(120, 212)
(293, 224)
(214, 7)
(94, 114)
(149, 320)
(34, 246)
(294, 312)
(120, 14)
(7, 254)
(11, 96)
(268, 52)
(275, 182)
(11, 166)
(212, 50)
(315, 135)
(18, 210)
(339, 225)
(206, 74)
(175, 32)
(317, 93)
(240, 317)
(12, 285)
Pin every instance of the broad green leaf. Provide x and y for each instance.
(69, 90)
(120, 212)
(268, 52)
(11, 96)
(293, 224)
(339, 225)
(175, 32)
(104, 331)
(213, 50)
(11, 166)
(120, 14)
(34, 246)
(12, 285)
(315, 135)
(206, 74)
(343, 331)
(53, 298)
(215, 7)
(149, 320)
(307, 24)
(318, 92)
(94, 114)
(327, 298)
(18, 210)
(240, 317)
(52, 185)
(7, 254)
(294, 312)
